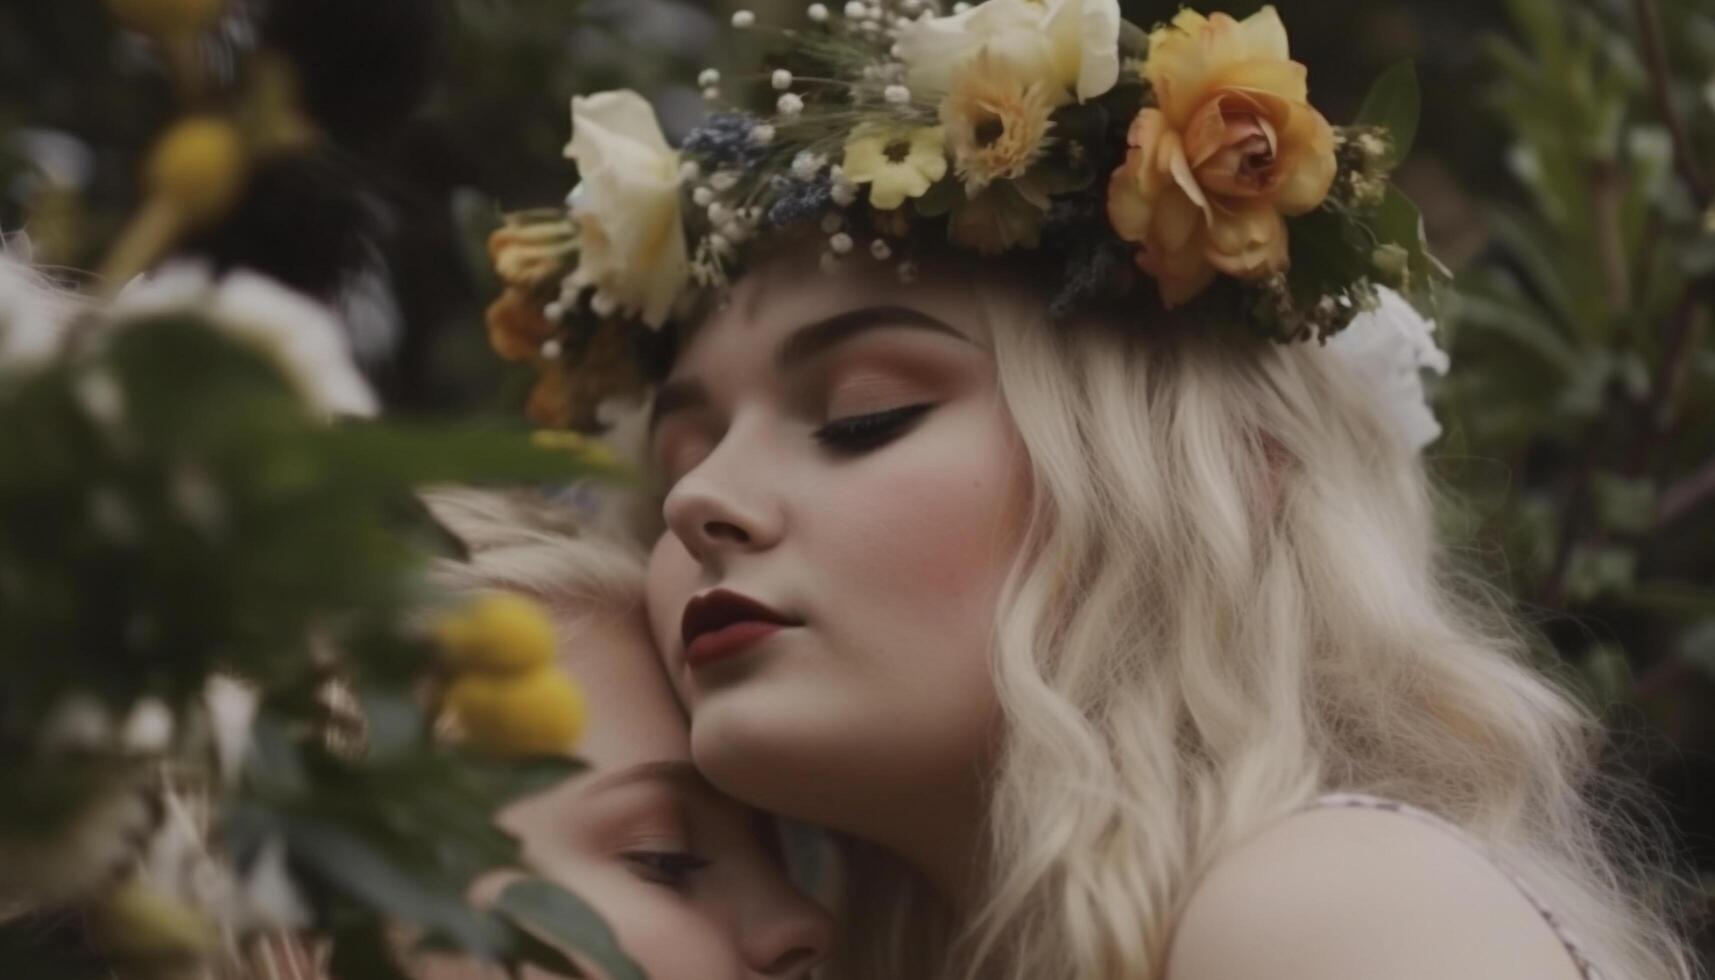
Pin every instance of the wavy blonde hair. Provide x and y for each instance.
(1263, 614)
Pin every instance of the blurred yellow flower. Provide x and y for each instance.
(996, 118)
(532, 248)
(499, 633)
(200, 167)
(166, 17)
(1232, 147)
(537, 712)
(516, 327)
(897, 163)
(135, 922)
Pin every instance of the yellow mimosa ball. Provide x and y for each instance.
(540, 712)
(201, 166)
(160, 17)
(135, 922)
(501, 633)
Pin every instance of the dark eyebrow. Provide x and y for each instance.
(805, 343)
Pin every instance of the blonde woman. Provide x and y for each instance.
(1018, 528)
(690, 881)
(1084, 624)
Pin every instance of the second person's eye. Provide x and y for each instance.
(671, 868)
(857, 433)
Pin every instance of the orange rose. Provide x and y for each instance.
(1231, 147)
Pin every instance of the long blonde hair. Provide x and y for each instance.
(1262, 613)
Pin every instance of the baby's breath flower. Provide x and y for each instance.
(718, 213)
(896, 94)
(743, 19)
(781, 79)
(855, 10)
(703, 197)
(709, 76)
(818, 13)
(711, 93)
(840, 243)
(843, 192)
(551, 350)
(806, 164)
(724, 181)
(762, 134)
(881, 250)
(790, 105)
(603, 304)
(689, 171)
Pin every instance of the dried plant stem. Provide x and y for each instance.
(1655, 57)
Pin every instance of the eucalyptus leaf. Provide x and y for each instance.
(364, 872)
(552, 912)
(1395, 103)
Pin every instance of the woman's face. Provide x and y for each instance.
(837, 451)
(690, 881)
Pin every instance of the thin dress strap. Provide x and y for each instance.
(1586, 969)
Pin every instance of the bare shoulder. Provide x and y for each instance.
(1337, 893)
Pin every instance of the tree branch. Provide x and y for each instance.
(1655, 57)
(1686, 495)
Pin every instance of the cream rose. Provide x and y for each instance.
(1232, 147)
(631, 237)
(1074, 44)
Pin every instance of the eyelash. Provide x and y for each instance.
(672, 869)
(863, 432)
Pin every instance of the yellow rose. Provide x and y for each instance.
(631, 237)
(1072, 44)
(1232, 146)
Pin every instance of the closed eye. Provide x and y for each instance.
(858, 433)
(673, 869)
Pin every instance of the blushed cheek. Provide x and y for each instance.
(936, 531)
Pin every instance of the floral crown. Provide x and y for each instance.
(1178, 168)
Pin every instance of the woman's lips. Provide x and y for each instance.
(728, 641)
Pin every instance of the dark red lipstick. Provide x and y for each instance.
(723, 623)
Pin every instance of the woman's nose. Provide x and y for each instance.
(725, 505)
(790, 938)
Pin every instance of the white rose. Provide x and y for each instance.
(1389, 348)
(1073, 42)
(631, 236)
(302, 336)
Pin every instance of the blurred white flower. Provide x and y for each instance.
(271, 899)
(303, 336)
(1391, 346)
(1072, 44)
(148, 729)
(33, 311)
(231, 708)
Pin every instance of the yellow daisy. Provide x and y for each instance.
(896, 163)
(997, 121)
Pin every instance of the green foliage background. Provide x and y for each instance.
(1564, 169)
